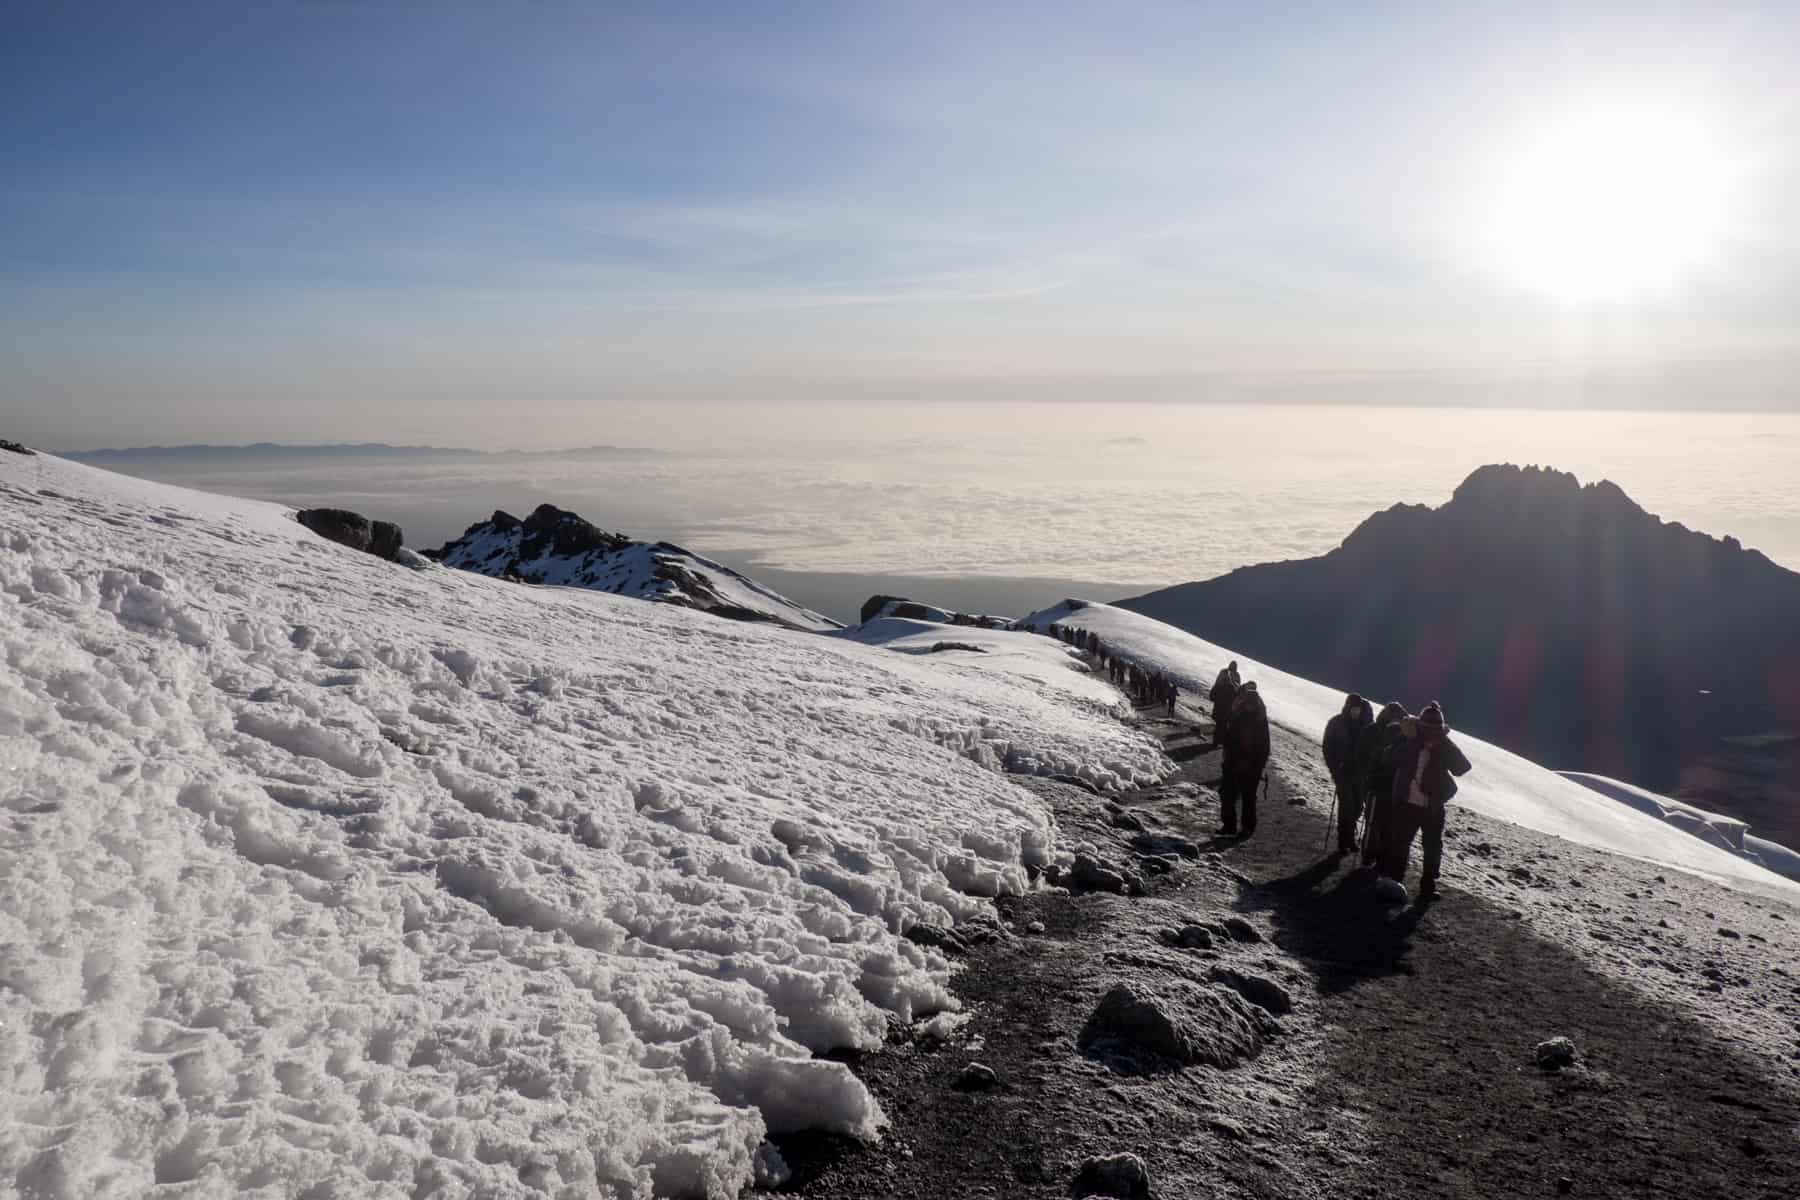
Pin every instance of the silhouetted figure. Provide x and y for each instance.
(1374, 777)
(1426, 763)
(1224, 691)
(1246, 744)
(1341, 733)
(1171, 692)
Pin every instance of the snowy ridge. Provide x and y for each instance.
(1502, 785)
(555, 546)
(325, 876)
(1727, 833)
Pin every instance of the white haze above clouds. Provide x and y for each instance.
(1134, 495)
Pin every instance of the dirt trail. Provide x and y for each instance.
(1405, 1067)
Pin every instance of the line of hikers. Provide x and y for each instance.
(1143, 686)
(1400, 771)
(1397, 770)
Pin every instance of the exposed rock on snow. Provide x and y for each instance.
(1180, 1022)
(1121, 1175)
(318, 872)
(15, 447)
(380, 538)
(556, 546)
(877, 607)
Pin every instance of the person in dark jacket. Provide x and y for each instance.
(1339, 745)
(1224, 691)
(1373, 777)
(1246, 754)
(1426, 763)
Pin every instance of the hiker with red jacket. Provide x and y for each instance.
(1246, 741)
(1426, 763)
(1341, 733)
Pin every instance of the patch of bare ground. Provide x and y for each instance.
(1405, 1063)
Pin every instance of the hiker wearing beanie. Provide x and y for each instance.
(1224, 691)
(1246, 741)
(1373, 777)
(1426, 763)
(1341, 733)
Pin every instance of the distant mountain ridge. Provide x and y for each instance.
(555, 546)
(343, 450)
(1560, 620)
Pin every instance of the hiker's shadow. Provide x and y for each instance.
(1338, 926)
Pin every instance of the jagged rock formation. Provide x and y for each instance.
(383, 539)
(555, 546)
(1560, 620)
(899, 606)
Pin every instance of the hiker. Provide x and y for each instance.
(1224, 690)
(1373, 777)
(1426, 763)
(1341, 733)
(1246, 742)
(1171, 692)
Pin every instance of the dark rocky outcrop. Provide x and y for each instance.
(556, 546)
(383, 539)
(1560, 620)
(15, 447)
(912, 610)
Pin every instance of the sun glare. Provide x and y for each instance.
(1609, 205)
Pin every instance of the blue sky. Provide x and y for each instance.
(403, 216)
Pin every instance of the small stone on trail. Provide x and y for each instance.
(1240, 930)
(1751, 1147)
(1390, 890)
(1263, 992)
(1564, 1186)
(976, 1076)
(1090, 874)
(1555, 1054)
(1035, 927)
(1121, 1175)
(1186, 1022)
(1729, 933)
(1189, 937)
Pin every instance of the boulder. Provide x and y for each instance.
(1240, 930)
(1259, 990)
(380, 538)
(15, 447)
(1090, 874)
(1189, 937)
(1555, 1054)
(1121, 1175)
(1179, 1022)
(976, 1077)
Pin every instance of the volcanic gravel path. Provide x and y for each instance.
(1406, 1067)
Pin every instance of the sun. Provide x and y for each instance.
(1611, 203)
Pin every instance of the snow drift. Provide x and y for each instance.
(324, 876)
(1502, 785)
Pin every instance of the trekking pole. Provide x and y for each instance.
(1330, 824)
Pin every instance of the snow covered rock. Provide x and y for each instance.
(1181, 1022)
(555, 546)
(1120, 1175)
(324, 877)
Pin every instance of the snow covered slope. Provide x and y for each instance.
(324, 876)
(1055, 668)
(1502, 785)
(1728, 833)
(553, 545)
